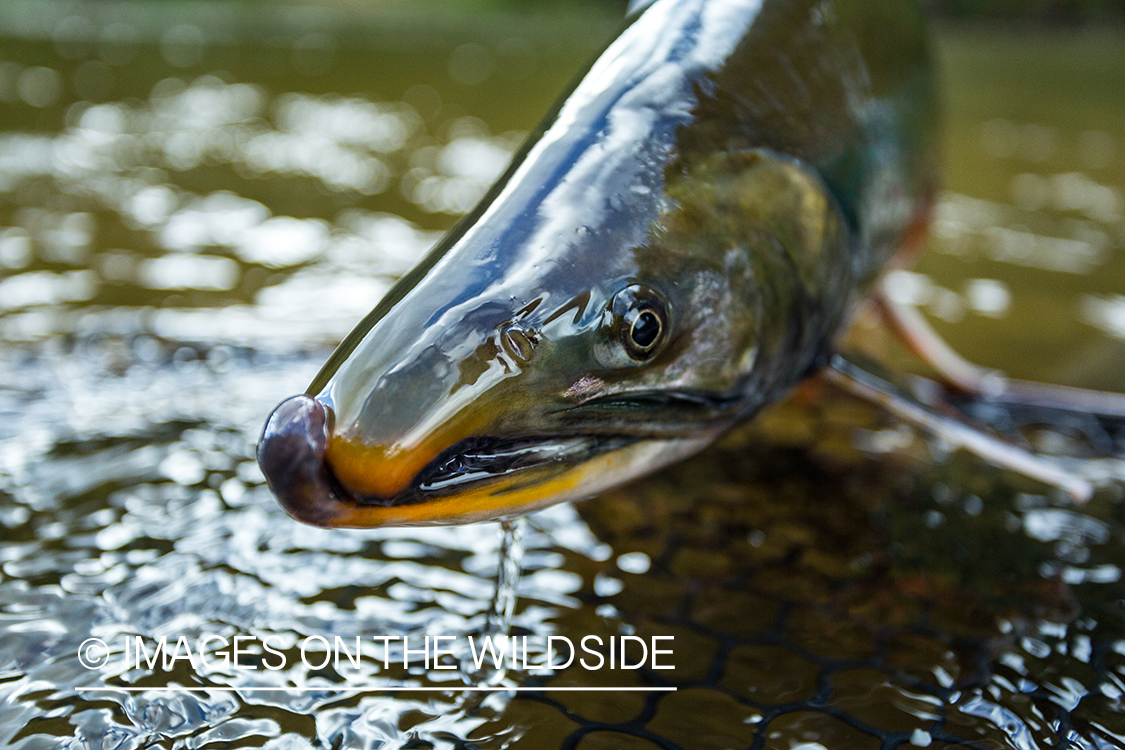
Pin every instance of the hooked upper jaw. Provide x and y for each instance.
(291, 454)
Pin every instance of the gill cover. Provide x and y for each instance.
(675, 248)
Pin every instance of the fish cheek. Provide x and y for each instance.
(732, 197)
(780, 213)
(792, 202)
(727, 333)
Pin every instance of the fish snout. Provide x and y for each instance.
(291, 453)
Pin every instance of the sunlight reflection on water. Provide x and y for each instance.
(177, 256)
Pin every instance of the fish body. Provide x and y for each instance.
(678, 244)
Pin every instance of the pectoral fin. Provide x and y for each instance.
(952, 427)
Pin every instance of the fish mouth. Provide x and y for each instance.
(477, 460)
(477, 478)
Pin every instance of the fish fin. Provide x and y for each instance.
(866, 382)
(911, 328)
(957, 376)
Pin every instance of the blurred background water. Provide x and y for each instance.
(198, 200)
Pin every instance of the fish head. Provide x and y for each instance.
(643, 276)
(487, 388)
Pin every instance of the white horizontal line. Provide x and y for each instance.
(378, 688)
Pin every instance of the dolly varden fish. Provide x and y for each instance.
(680, 242)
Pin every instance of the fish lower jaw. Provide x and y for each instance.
(477, 480)
(577, 470)
(474, 465)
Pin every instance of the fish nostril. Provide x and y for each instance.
(518, 343)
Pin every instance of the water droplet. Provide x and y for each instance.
(988, 297)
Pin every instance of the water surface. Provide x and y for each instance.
(193, 212)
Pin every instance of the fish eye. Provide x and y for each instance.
(645, 330)
(634, 327)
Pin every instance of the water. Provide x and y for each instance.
(498, 621)
(190, 220)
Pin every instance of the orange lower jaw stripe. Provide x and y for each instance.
(497, 500)
(372, 470)
(319, 501)
(387, 470)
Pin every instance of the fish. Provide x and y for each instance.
(683, 240)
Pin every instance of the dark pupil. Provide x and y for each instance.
(645, 329)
